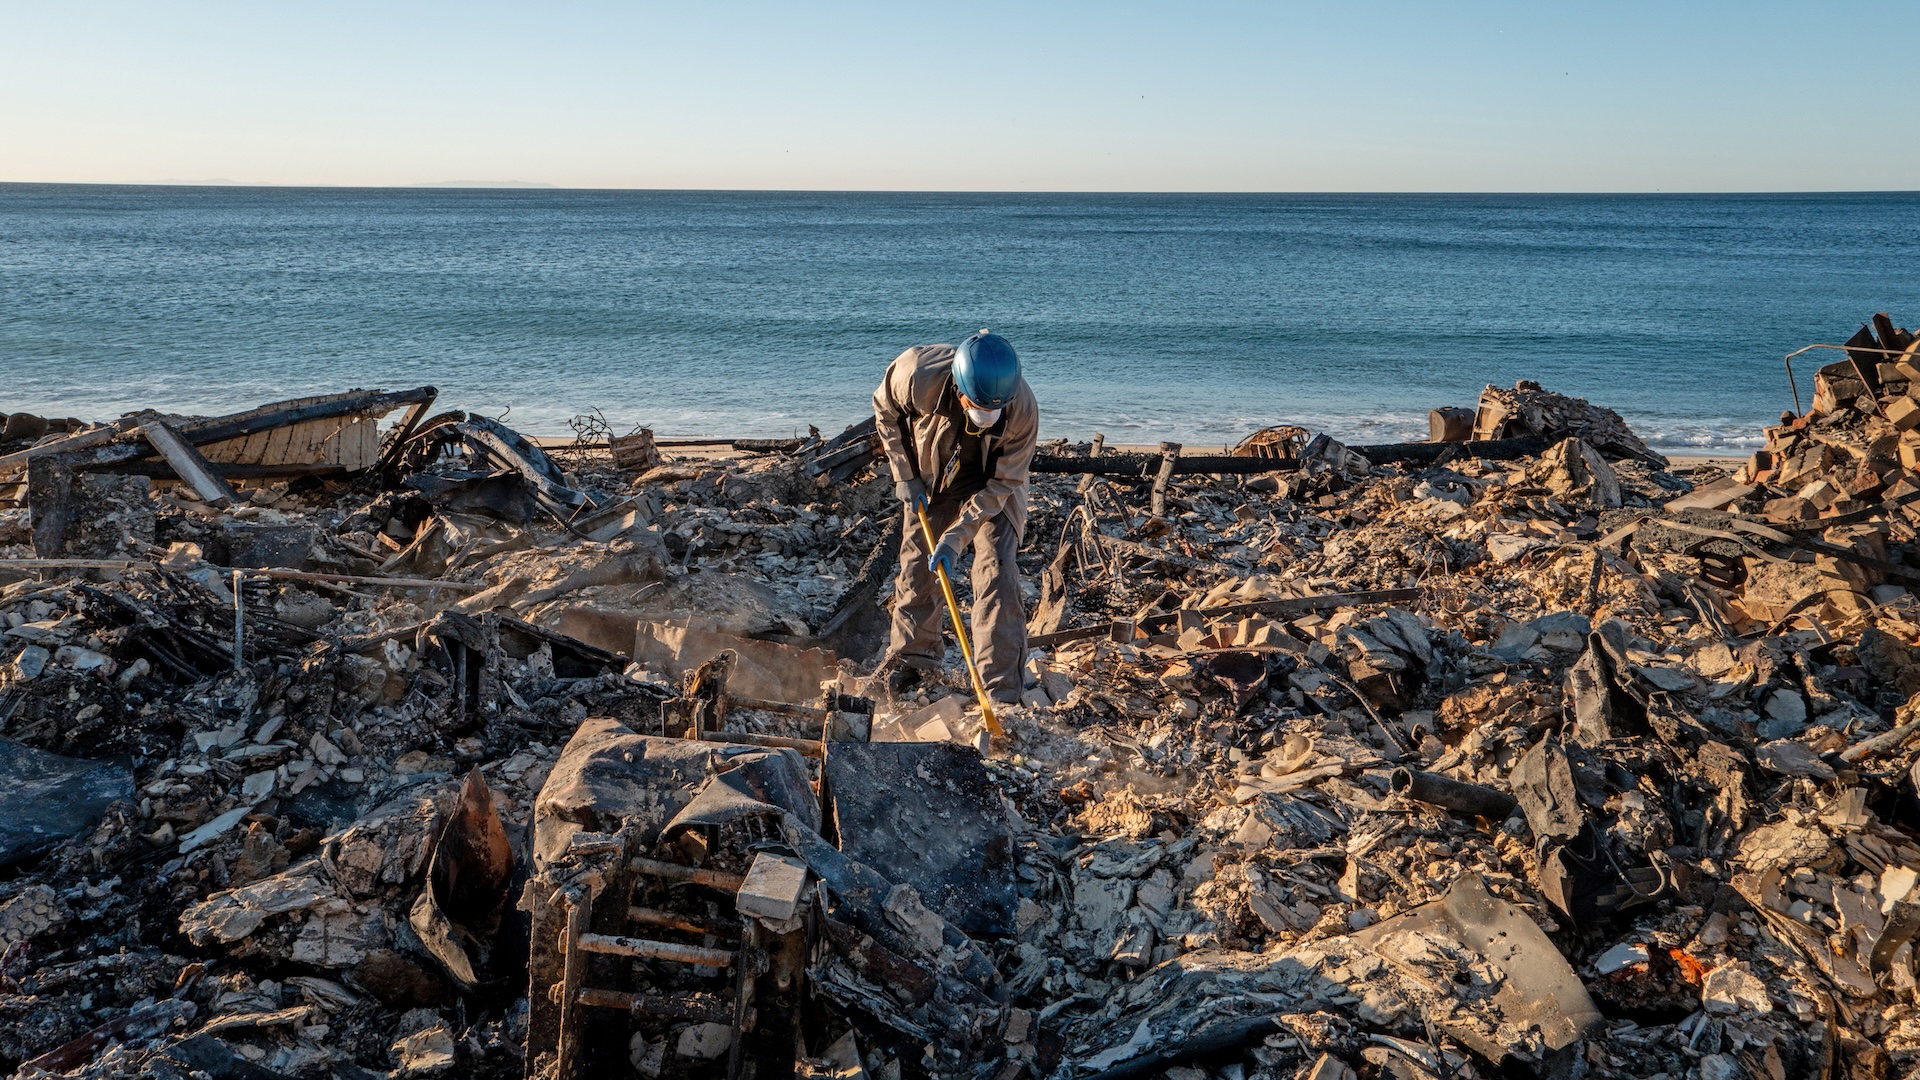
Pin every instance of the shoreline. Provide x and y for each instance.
(1691, 458)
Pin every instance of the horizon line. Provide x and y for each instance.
(543, 186)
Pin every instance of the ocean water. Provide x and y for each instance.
(1144, 317)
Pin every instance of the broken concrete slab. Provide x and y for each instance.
(773, 888)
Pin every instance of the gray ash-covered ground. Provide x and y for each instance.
(1706, 731)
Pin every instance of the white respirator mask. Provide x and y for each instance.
(984, 418)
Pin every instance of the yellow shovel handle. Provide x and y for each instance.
(960, 629)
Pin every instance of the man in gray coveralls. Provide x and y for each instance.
(959, 425)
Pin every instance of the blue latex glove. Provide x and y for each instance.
(912, 492)
(943, 558)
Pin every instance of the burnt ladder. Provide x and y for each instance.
(747, 963)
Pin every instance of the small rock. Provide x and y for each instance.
(30, 663)
(1733, 987)
(81, 659)
(133, 671)
(1057, 684)
(1028, 915)
(1514, 641)
(424, 1053)
(1715, 931)
(1620, 957)
(904, 909)
(326, 753)
(1789, 758)
(1721, 1067)
(647, 1056)
(1787, 706)
(704, 1042)
(258, 785)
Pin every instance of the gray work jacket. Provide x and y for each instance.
(919, 434)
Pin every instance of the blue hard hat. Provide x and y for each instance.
(986, 370)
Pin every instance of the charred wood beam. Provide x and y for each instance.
(698, 1008)
(184, 644)
(1420, 454)
(666, 871)
(188, 464)
(84, 440)
(226, 470)
(591, 654)
(232, 427)
(805, 747)
(1169, 458)
(645, 949)
(669, 920)
(745, 446)
(397, 440)
(840, 457)
(1746, 532)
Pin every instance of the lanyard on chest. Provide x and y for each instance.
(952, 471)
(963, 428)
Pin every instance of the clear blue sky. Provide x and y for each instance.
(1758, 96)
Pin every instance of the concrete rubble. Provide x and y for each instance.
(443, 753)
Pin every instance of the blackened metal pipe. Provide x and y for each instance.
(1453, 794)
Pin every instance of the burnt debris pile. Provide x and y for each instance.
(343, 738)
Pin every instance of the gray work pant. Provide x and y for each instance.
(999, 621)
